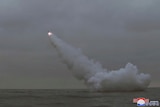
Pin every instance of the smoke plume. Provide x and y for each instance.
(94, 75)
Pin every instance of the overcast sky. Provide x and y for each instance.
(113, 32)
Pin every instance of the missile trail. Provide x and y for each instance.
(94, 75)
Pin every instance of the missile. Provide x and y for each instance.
(50, 33)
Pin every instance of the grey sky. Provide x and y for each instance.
(114, 32)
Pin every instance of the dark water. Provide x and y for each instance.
(72, 98)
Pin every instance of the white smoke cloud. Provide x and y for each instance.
(95, 76)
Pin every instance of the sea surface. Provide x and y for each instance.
(72, 98)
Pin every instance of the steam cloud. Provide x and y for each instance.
(95, 76)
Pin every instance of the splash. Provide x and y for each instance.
(94, 75)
